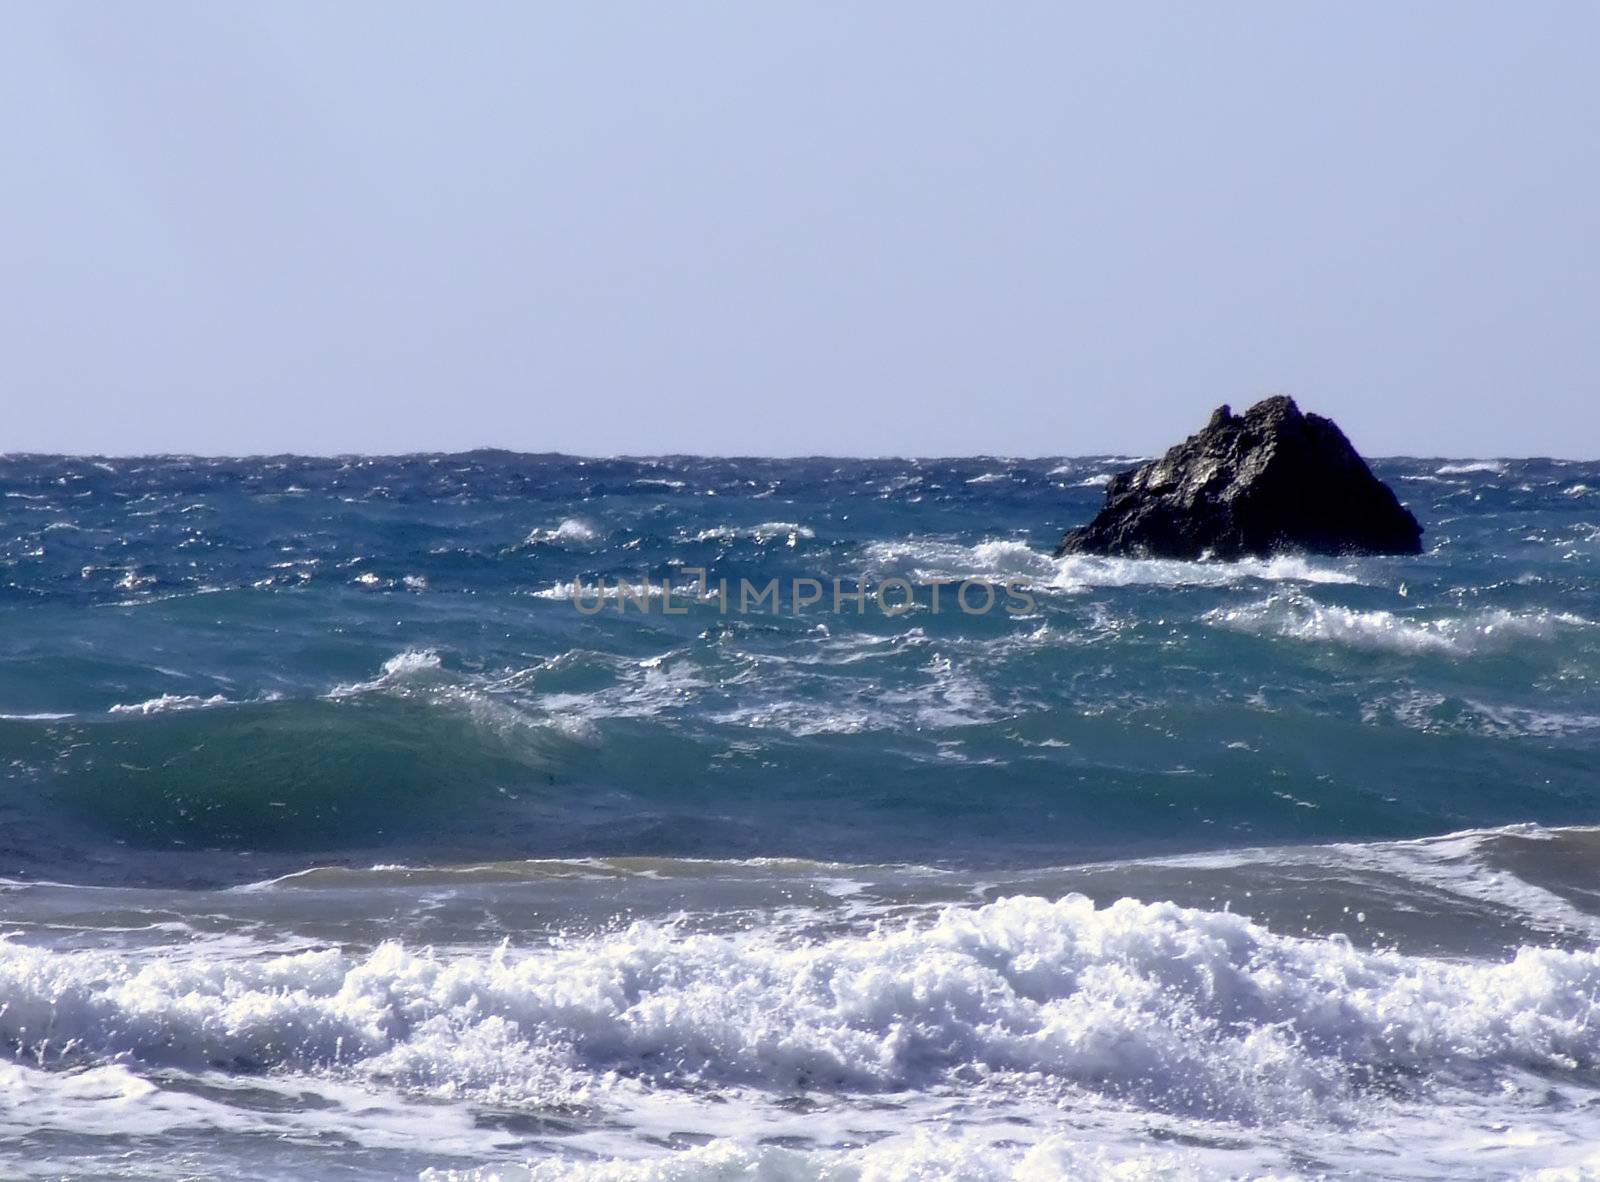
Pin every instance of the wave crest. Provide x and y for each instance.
(1299, 617)
(1190, 1012)
(1009, 559)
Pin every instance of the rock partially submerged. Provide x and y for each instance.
(1269, 480)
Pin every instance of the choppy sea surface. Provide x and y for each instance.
(336, 842)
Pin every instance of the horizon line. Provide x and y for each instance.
(683, 455)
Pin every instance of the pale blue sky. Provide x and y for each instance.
(910, 228)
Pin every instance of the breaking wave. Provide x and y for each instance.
(572, 531)
(1004, 559)
(1198, 1013)
(1467, 467)
(1299, 617)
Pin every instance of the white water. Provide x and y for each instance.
(1060, 1030)
(1299, 617)
(1002, 560)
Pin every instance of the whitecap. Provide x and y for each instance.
(411, 661)
(1464, 467)
(773, 529)
(1299, 617)
(166, 702)
(572, 531)
(588, 593)
(767, 531)
(1004, 560)
(411, 664)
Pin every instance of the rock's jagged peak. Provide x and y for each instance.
(1267, 413)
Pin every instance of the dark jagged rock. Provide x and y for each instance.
(1269, 480)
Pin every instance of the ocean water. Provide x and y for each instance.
(337, 842)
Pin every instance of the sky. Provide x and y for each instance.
(787, 228)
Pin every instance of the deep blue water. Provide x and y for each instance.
(337, 841)
(193, 655)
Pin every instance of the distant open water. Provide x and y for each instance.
(336, 841)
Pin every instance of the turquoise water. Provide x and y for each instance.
(338, 839)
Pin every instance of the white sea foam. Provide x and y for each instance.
(402, 667)
(642, 690)
(947, 694)
(172, 702)
(790, 532)
(167, 702)
(1299, 617)
(589, 592)
(780, 528)
(1461, 864)
(410, 662)
(803, 719)
(1084, 571)
(1002, 560)
(1179, 1011)
(491, 703)
(1585, 1170)
(572, 531)
(123, 1102)
(918, 1158)
(1467, 466)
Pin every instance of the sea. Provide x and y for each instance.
(496, 816)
